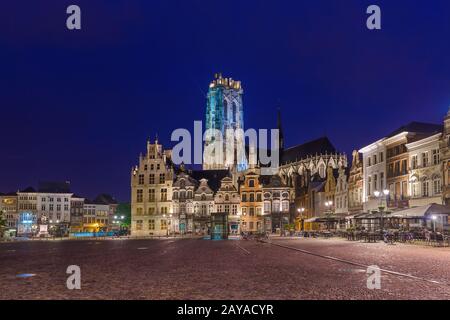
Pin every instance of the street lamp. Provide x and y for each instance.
(434, 218)
(328, 204)
(301, 211)
(167, 228)
(381, 207)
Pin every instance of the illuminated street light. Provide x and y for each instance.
(434, 218)
(377, 193)
(301, 210)
(328, 212)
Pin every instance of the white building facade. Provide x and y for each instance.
(374, 173)
(425, 174)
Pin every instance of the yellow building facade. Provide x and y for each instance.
(251, 203)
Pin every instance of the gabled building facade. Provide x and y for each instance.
(355, 185)
(277, 200)
(183, 202)
(151, 193)
(341, 193)
(203, 207)
(251, 203)
(227, 200)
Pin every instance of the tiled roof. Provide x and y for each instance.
(54, 187)
(213, 176)
(418, 127)
(311, 148)
(28, 190)
(105, 199)
(272, 182)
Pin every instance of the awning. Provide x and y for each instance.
(355, 215)
(324, 219)
(422, 212)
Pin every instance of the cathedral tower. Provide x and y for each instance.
(224, 110)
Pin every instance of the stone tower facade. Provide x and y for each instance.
(224, 111)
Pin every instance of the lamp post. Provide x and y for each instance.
(118, 220)
(381, 207)
(167, 228)
(434, 218)
(301, 210)
(328, 205)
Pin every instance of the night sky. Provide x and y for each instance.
(80, 105)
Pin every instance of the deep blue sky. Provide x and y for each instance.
(80, 105)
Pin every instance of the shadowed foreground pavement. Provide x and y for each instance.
(203, 269)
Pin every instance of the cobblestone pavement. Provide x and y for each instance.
(204, 269)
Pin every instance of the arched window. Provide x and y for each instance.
(227, 197)
(322, 170)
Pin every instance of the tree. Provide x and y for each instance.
(124, 209)
(2, 223)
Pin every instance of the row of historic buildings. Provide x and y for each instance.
(52, 209)
(168, 199)
(406, 168)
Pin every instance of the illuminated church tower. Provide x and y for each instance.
(224, 110)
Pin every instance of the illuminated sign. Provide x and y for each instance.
(8, 201)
